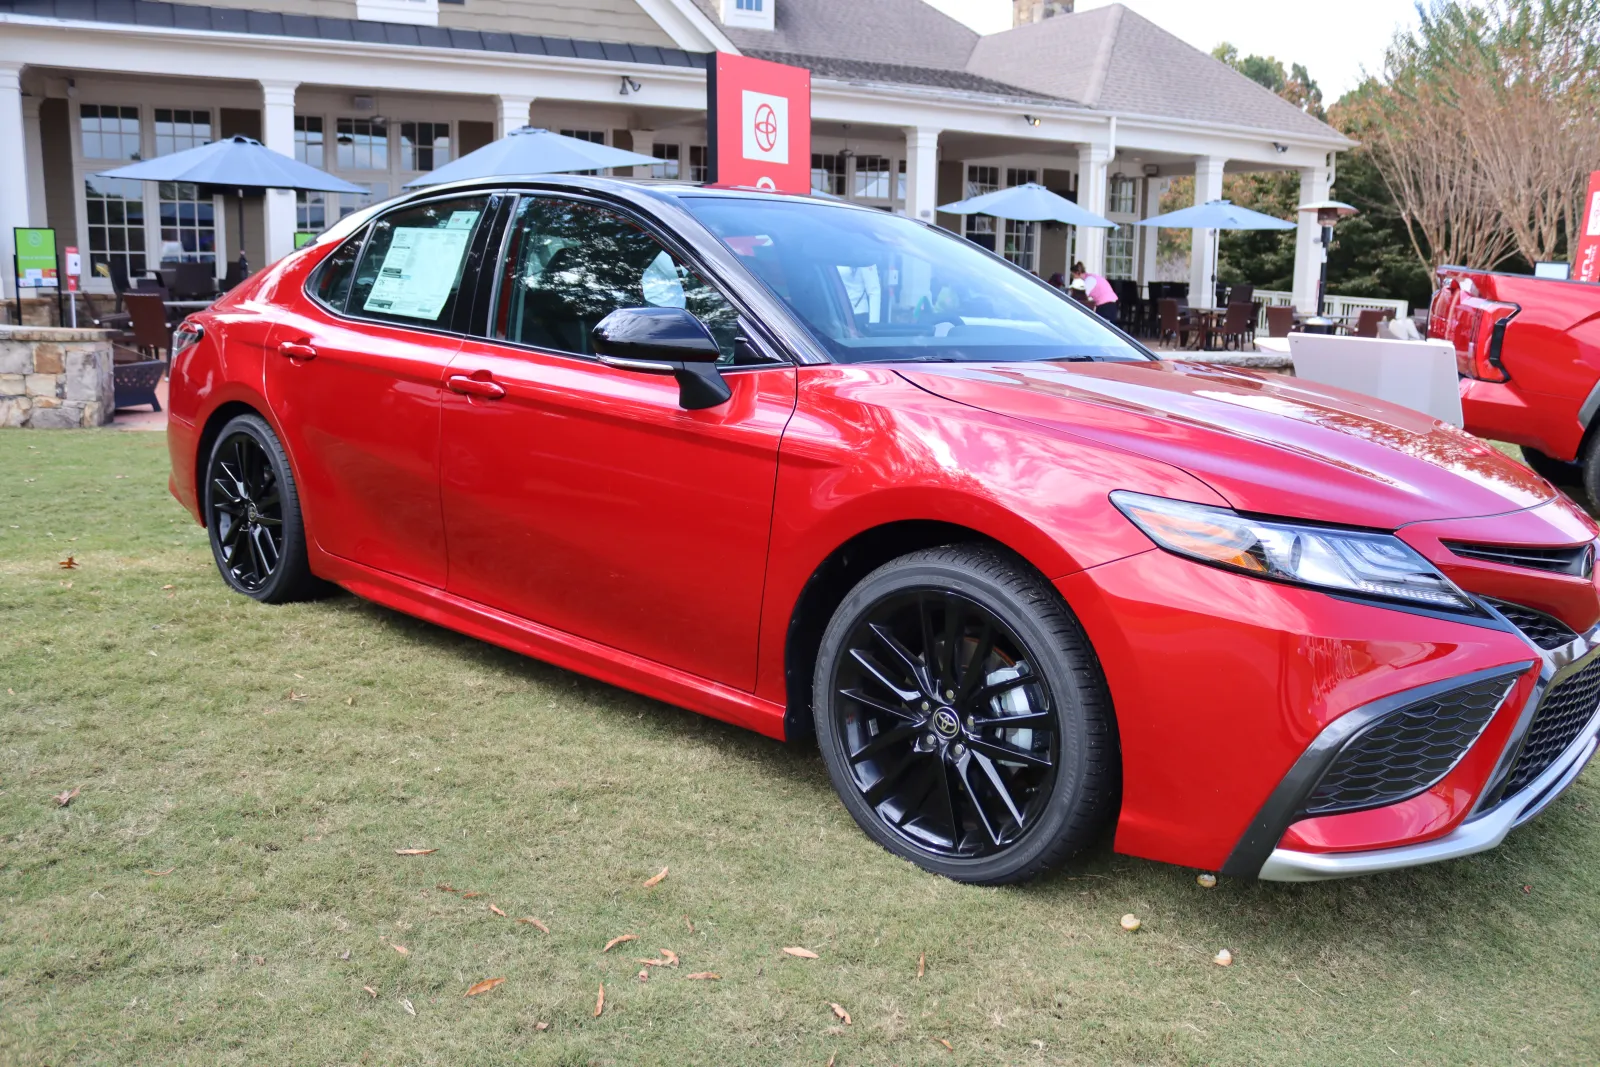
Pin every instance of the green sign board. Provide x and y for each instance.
(36, 258)
(303, 238)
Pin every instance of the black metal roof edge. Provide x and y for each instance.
(199, 17)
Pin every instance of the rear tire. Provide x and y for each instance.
(922, 666)
(1554, 471)
(252, 509)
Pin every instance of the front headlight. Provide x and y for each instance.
(1341, 561)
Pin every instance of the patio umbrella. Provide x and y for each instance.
(237, 162)
(1030, 202)
(1217, 215)
(531, 150)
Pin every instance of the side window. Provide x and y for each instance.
(330, 284)
(570, 264)
(410, 270)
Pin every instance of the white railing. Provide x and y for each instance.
(1337, 307)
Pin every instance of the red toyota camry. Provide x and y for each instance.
(812, 468)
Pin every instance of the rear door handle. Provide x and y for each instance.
(489, 390)
(297, 350)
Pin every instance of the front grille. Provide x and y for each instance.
(1578, 561)
(1569, 704)
(1546, 631)
(1408, 750)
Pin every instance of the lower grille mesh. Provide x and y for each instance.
(1569, 704)
(1546, 631)
(1407, 750)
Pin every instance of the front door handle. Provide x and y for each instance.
(472, 386)
(297, 350)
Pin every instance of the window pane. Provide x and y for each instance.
(115, 214)
(411, 269)
(827, 173)
(363, 144)
(188, 231)
(332, 281)
(308, 139)
(570, 265)
(668, 154)
(872, 178)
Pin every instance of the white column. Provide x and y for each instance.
(922, 172)
(1149, 236)
(1092, 162)
(277, 133)
(33, 154)
(512, 113)
(13, 172)
(1203, 252)
(644, 142)
(1315, 183)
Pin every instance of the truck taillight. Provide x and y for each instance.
(1477, 327)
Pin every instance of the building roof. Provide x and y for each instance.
(277, 24)
(1113, 59)
(878, 73)
(902, 33)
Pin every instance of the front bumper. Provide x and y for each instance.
(1484, 828)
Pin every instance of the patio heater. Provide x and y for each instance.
(1328, 212)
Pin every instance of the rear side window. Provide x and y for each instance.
(330, 284)
(410, 269)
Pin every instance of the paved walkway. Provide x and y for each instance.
(142, 418)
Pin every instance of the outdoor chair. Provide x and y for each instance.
(147, 315)
(236, 274)
(1236, 324)
(1174, 324)
(1280, 320)
(150, 285)
(1369, 319)
(193, 281)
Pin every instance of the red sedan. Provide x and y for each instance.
(815, 469)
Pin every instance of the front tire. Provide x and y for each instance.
(1554, 471)
(253, 515)
(963, 716)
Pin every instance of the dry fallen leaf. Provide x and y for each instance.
(445, 887)
(655, 879)
(401, 949)
(644, 975)
(63, 799)
(469, 896)
(373, 993)
(1206, 881)
(161, 874)
(259, 961)
(686, 920)
(406, 1004)
(922, 963)
(704, 976)
(1130, 923)
(345, 955)
(831, 1057)
(531, 921)
(600, 1001)
(483, 986)
(1223, 958)
(945, 1043)
(615, 941)
(415, 851)
(166, 587)
(69, 563)
(670, 956)
(841, 1013)
(803, 953)
(350, 701)
(541, 1026)
(497, 911)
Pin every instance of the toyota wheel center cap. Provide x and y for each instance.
(945, 723)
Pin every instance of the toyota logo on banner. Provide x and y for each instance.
(766, 127)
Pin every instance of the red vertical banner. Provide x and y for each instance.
(758, 124)
(1586, 265)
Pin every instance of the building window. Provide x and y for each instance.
(1020, 177)
(188, 224)
(900, 182)
(1120, 197)
(669, 156)
(593, 137)
(179, 129)
(308, 139)
(980, 228)
(872, 178)
(827, 174)
(1022, 238)
(115, 208)
(363, 144)
(1119, 251)
(310, 212)
(424, 145)
(109, 131)
(351, 202)
(748, 5)
(697, 163)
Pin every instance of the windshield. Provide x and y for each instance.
(873, 287)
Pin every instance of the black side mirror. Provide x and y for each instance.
(671, 341)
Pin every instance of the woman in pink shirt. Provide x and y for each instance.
(1102, 297)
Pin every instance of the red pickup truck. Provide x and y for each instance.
(1528, 352)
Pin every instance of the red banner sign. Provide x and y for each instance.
(1586, 268)
(758, 123)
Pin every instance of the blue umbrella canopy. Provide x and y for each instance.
(531, 150)
(237, 162)
(1217, 215)
(1030, 202)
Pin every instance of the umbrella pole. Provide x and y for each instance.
(244, 266)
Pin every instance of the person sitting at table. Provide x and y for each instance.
(1100, 295)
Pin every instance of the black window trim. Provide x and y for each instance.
(495, 200)
(750, 324)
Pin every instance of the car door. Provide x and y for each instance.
(585, 497)
(356, 383)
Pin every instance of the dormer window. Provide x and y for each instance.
(748, 14)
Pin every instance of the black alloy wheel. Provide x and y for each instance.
(963, 717)
(253, 514)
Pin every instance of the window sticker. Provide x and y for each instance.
(419, 269)
(461, 220)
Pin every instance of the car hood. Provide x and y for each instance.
(1266, 443)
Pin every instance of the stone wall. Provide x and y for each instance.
(55, 378)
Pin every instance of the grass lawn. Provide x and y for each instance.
(225, 889)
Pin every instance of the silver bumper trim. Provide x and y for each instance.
(1476, 835)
